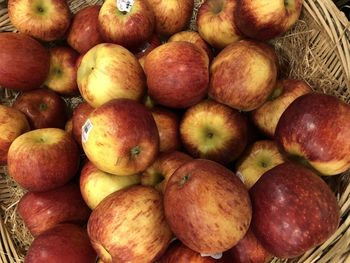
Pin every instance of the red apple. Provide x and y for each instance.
(129, 226)
(142, 51)
(44, 210)
(24, 62)
(62, 243)
(177, 74)
(84, 33)
(294, 210)
(43, 159)
(243, 74)
(315, 128)
(80, 115)
(206, 206)
(45, 20)
(68, 127)
(44, 108)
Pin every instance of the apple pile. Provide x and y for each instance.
(181, 135)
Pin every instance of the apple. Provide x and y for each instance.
(62, 243)
(177, 74)
(258, 158)
(24, 62)
(207, 206)
(84, 33)
(68, 127)
(286, 91)
(168, 123)
(159, 172)
(195, 38)
(142, 51)
(43, 108)
(264, 20)
(43, 159)
(121, 137)
(129, 24)
(62, 76)
(129, 226)
(315, 129)
(80, 115)
(109, 71)
(211, 130)
(44, 20)
(243, 74)
(95, 184)
(44, 210)
(171, 16)
(216, 22)
(294, 210)
(13, 123)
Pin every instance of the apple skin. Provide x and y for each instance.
(13, 123)
(43, 108)
(43, 159)
(42, 211)
(128, 29)
(109, 71)
(171, 16)
(95, 184)
(214, 131)
(142, 51)
(84, 32)
(294, 210)
(44, 20)
(264, 20)
(129, 226)
(20, 57)
(79, 117)
(126, 134)
(256, 159)
(62, 243)
(167, 69)
(68, 127)
(216, 23)
(206, 206)
(243, 74)
(159, 172)
(286, 91)
(315, 129)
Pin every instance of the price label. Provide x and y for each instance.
(85, 130)
(125, 5)
(214, 256)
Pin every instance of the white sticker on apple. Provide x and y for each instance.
(85, 130)
(214, 256)
(125, 5)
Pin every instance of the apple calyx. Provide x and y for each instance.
(43, 106)
(135, 151)
(184, 179)
(276, 93)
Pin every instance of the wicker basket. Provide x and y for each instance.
(316, 50)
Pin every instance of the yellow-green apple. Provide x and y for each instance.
(62, 77)
(62, 243)
(168, 123)
(109, 71)
(207, 206)
(258, 158)
(159, 172)
(177, 74)
(24, 62)
(216, 23)
(142, 51)
(44, 210)
(43, 159)
(129, 226)
(95, 184)
(195, 38)
(43, 108)
(171, 16)
(286, 91)
(79, 117)
(45, 20)
(294, 210)
(13, 123)
(214, 131)
(266, 20)
(84, 33)
(121, 137)
(243, 74)
(127, 24)
(315, 129)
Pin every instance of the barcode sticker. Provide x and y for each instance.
(125, 5)
(214, 256)
(85, 130)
